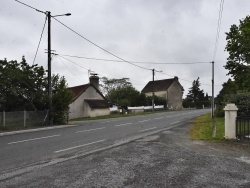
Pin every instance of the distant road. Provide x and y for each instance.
(25, 150)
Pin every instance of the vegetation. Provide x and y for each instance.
(122, 93)
(238, 41)
(202, 128)
(111, 84)
(237, 91)
(24, 87)
(195, 97)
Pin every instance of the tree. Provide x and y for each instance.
(238, 40)
(196, 97)
(228, 88)
(61, 98)
(109, 84)
(22, 86)
(195, 94)
(126, 96)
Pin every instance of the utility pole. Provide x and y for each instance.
(49, 69)
(49, 63)
(153, 94)
(212, 101)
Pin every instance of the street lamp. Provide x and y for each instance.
(49, 62)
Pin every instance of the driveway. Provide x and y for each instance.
(165, 159)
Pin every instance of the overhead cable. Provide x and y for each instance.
(218, 29)
(40, 40)
(99, 59)
(29, 6)
(99, 46)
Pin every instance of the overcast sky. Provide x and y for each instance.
(159, 31)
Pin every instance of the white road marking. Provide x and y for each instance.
(62, 150)
(159, 118)
(109, 121)
(144, 120)
(90, 130)
(123, 124)
(147, 129)
(34, 139)
(174, 122)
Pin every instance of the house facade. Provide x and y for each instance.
(169, 89)
(88, 101)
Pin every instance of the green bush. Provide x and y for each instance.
(219, 111)
(242, 101)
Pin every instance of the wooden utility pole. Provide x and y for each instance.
(153, 92)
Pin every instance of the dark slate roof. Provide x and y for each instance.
(95, 103)
(159, 85)
(78, 90)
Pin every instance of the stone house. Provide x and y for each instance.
(88, 101)
(169, 89)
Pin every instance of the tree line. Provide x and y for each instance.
(122, 93)
(237, 89)
(25, 87)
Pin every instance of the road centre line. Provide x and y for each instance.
(62, 150)
(122, 124)
(34, 139)
(174, 122)
(90, 130)
(159, 118)
(144, 120)
(109, 121)
(147, 129)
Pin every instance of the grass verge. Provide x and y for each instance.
(202, 129)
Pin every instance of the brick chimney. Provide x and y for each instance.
(94, 79)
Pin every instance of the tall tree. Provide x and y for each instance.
(109, 84)
(24, 87)
(228, 88)
(195, 94)
(238, 40)
(61, 98)
(126, 96)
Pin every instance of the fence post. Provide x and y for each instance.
(230, 121)
(24, 118)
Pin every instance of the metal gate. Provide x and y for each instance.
(243, 128)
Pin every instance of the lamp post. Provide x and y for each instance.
(212, 114)
(49, 63)
(153, 90)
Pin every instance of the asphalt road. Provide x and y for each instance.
(21, 152)
(152, 158)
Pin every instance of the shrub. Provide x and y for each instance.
(242, 101)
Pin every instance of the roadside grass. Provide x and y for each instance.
(202, 129)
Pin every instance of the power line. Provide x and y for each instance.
(100, 59)
(40, 40)
(122, 61)
(68, 68)
(29, 6)
(73, 62)
(99, 46)
(218, 29)
(185, 79)
(92, 69)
